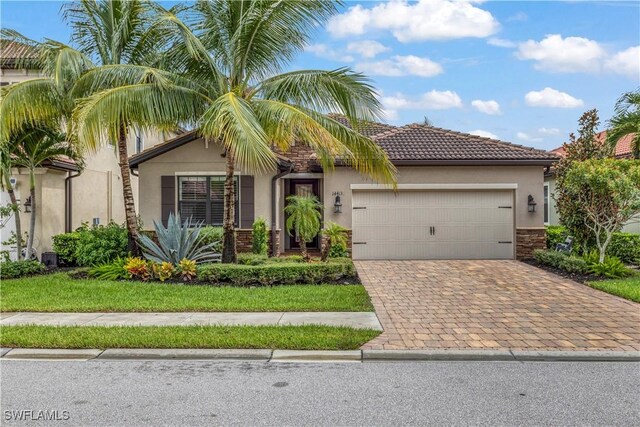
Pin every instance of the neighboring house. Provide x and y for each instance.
(66, 199)
(459, 196)
(622, 151)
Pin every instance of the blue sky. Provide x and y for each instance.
(521, 71)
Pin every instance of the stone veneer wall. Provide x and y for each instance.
(529, 239)
(244, 237)
(302, 157)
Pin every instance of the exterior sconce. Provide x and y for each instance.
(27, 205)
(337, 205)
(531, 204)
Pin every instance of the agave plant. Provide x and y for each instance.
(179, 240)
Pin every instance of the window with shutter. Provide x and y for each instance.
(202, 198)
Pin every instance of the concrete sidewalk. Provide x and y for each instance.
(359, 320)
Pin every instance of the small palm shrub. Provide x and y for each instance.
(259, 238)
(187, 269)
(611, 267)
(335, 237)
(303, 220)
(114, 270)
(177, 241)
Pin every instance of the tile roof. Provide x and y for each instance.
(420, 143)
(12, 52)
(623, 147)
(368, 129)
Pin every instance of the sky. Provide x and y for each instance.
(518, 71)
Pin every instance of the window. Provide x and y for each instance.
(546, 203)
(202, 198)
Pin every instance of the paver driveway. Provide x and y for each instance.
(493, 304)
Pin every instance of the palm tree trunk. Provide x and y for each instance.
(16, 213)
(127, 193)
(303, 249)
(32, 220)
(229, 232)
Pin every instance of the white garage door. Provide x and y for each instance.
(432, 224)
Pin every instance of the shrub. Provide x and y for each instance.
(569, 263)
(211, 235)
(15, 269)
(338, 251)
(66, 245)
(138, 268)
(335, 237)
(556, 234)
(252, 259)
(177, 241)
(611, 267)
(625, 246)
(259, 238)
(286, 259)
(101, 245)
(187, 269)
(278, 273)
(110, 271)
(163, 271)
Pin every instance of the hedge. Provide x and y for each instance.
(15, 269)
(568, 263)
(333, 271)
(625, 246)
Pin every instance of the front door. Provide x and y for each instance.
(303, 187)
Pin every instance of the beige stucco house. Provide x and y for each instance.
(459, 196)
(67, 198)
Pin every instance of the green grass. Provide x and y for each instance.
(272, 337)
(626, 288)
(59, 293)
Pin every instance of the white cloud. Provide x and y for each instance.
(367, 48)
(433, 100)
(401, 66)
(496, 41)
(626, 62)
(483, 133)
(563, 55)
(526, 137)
(549, 131)
(518, 17)
(424, 20)
(490, 107)
(323, 51)
(553, 98)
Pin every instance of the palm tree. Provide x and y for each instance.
(626, 120)
(31, 149)
(220, 73)
(6, 165)
(303, 220)
(336, 235)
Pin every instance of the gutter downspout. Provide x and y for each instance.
(274, 209)
(68, 201)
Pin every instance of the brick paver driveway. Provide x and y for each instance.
(493, 304)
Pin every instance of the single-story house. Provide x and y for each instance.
(550, 211)
(459, 196)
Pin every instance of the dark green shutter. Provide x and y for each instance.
(168, 197)
(246, 201)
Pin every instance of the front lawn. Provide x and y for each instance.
(59, 293)
(309, 337)
(626, 288)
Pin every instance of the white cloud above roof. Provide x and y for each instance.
(626, 62)
(526, 137)
(563, 55)
(549, 131)
(398, 65)
(423, 20)
(490, 107)
(432, 100)
(367, 48)
(549, 97)
(483, 133)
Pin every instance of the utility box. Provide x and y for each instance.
(50, 259)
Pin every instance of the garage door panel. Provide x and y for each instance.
(467, 225)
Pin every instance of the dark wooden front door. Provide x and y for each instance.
(303, 187)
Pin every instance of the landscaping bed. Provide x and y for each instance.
(60, 293)
(575, 276)
(308, 337)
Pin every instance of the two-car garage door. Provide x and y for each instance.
(433, 224)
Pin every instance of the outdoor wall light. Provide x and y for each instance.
(27, 205)
(531, 204)
(337, 206)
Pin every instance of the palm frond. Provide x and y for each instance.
(625, 121)
(232, 121)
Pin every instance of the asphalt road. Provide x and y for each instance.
(196, 393)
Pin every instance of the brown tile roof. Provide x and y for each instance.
(623, 147)
(417, 143)
(11, 52)
(368, 129)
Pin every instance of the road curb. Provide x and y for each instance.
(267, 355)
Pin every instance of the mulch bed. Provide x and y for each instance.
(576, 277)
